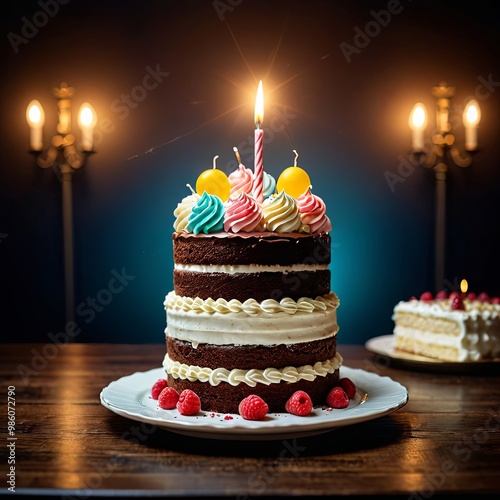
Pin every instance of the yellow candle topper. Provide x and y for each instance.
(214, 182)
(293, 180)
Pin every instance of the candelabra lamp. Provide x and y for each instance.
(440, 151)
(65, 156)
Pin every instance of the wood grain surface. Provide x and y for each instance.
(444, 442)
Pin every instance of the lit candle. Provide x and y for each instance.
(464, 287)
(471, 118)
(418, 122)
(259, 147)
(87, 120)
(35, 117)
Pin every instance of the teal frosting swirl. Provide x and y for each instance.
(269, 185)
(207, 215)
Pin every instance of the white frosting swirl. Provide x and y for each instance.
(251, 377)
(183, 211)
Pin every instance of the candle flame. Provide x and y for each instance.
(259, 106)
(418, 116)
(87, 116)
(472, 114)
(34, 114)
(464, 286)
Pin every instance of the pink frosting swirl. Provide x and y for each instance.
(312, 210)
(241, 181)
(242, 214)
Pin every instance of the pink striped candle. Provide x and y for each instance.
(259, 147)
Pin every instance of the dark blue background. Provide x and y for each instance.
(347, 119)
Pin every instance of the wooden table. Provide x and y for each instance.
(446, 440)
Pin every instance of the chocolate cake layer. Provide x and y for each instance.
(258, 248)
(258, 286)
(258, 357)
(225, 398)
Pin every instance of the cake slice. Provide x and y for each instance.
(448, 328)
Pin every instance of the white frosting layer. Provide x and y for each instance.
(252, 377)
(442, 309)
(251, 268)
(267, 323)
(250, 306)
(478, 328)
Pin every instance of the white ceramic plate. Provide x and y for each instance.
(384, 346)
(130, 397)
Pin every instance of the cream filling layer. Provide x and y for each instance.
(473, 346)
(252, 377)
(249, 269)
(243, 327)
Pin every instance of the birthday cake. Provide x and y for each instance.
(454, 327)
(251, 312)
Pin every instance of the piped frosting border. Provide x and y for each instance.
(251, 377)
(250, 307)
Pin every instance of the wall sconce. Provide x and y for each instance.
(67, 156)
(435, 155)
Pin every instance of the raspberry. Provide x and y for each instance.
(349, 387)
(483, 297)
(337, 398)
(453, 295)
(168, 398)
(253, 407)
(458, 304)
(495, 300)
(471, 296)
(441, 295)
(299, 404)
(427, 297)
(158, 386)
(189, 402)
